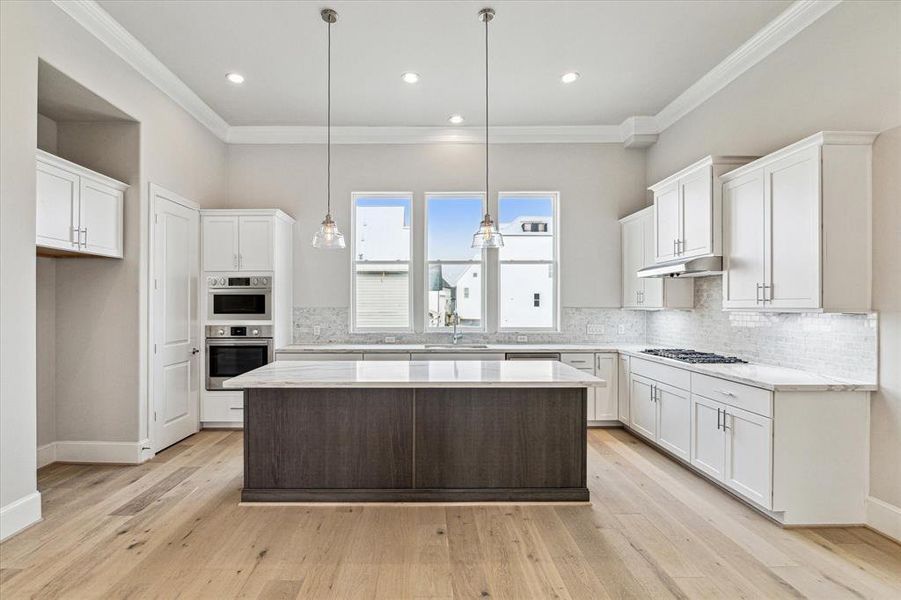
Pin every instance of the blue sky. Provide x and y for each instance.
(453, 220)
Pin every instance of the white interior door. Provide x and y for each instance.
(176, 363)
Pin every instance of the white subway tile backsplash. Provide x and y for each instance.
(829, 344)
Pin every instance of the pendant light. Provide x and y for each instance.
(328, 236)
(487, 236)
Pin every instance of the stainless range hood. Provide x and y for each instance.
(688, 267)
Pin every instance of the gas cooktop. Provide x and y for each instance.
(691, 356)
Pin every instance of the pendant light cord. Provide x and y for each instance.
(328, 128)
(487, 195)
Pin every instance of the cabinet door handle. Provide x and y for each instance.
(76, 233)
(240, 260)
(726, 393)
(718, 410)
(767, 297)
(235, 260)
(675, 252)
(725, 427)
(85, 230)
(757, 295)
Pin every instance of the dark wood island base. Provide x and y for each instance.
(415, 444)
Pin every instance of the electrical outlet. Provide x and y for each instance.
(621, 330)
(595, 330)
(522, 339)
(317, 330)
(390, 339)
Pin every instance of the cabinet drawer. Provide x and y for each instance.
(582, 361)
(752, 399)
(457, 356)
(222, 407)
(679, 378)
(386, 356)
(318, 356)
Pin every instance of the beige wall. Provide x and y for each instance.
(840, 73)
(175, 152)
(885, 434)
(46, 134)
(46, 350)
(598, 184)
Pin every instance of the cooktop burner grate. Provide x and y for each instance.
(692, 356)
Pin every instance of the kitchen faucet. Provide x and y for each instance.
(455, 319)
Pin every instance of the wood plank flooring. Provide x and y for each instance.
(172, 528)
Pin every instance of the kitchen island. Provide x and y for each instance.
(414, 431)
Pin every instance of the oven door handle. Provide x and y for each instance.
(239, 342)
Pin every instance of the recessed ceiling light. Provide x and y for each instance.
(410, 77)
(235, 77)
(569, 77)
(455, 119)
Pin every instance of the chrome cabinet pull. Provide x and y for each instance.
(725, 427)
(675, 252)
(76, 233)
(767, 297)
(85, 230)
(235, 260)
(725, 393)
(718, 410)
(757, 295)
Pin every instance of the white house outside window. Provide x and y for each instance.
(382, 298)
(454, 270)
(527, 294)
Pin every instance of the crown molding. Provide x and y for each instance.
(634, 132)
(763, 43)
(105, 28)
(569, 134)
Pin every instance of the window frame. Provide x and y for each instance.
(554, 263)
(354, 328)
(426, 328)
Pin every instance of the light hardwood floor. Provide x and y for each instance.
(172, 527)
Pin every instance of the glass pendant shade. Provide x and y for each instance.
(328, 236)
(487, 236)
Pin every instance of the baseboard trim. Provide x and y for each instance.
(126, 453)
(19, 514)
(884, 518)
(46, 454)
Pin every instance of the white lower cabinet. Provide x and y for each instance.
(661, 413)
(642, 412)
(605, 398)
(733, 446)
(622, 390)
(222, 407)
(673, 419)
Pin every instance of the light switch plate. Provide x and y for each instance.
(317, 330)
(595, 329)
(522, 339)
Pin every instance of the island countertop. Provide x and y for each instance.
(415, 374)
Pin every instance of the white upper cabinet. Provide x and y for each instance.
(256, 243)
(77, 210)
(220, 243)
(238, 242)
(797, 227)
(638, 245)
(687, 210)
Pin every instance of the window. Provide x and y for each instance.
(381, 262)
(451, 219)
(527, 294)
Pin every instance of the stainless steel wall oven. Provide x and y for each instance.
(232, 350)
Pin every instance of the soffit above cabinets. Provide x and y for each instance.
(643, 64)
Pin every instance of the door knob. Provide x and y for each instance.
(195, 351)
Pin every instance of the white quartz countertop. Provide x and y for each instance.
(414, 374)
(768, 377)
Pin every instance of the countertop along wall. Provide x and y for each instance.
(598, 184)
(176, 152)
(841, 73)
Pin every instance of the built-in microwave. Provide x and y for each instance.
(243, 298)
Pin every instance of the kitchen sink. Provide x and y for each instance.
(464, 346)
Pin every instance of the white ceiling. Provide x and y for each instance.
(634, 57)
